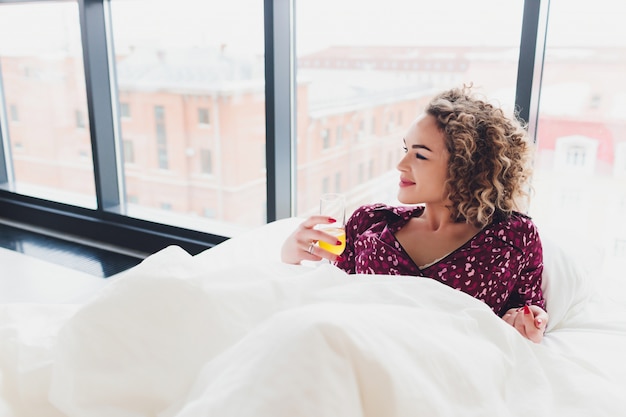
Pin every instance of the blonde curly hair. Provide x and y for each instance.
(488, 170)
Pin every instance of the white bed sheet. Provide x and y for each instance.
(234, 332)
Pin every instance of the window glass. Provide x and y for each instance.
(43, 92)
(366, 73)
(579, 181)
(191, 92)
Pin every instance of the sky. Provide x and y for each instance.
(320, 23)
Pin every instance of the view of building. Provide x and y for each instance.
(192, 127)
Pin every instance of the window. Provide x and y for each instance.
(129, 151)
(325, 185)
(80, 119)
(325, 135)
(581, 126)
(43, 80)
(575, 156)
(14, 114)
(619, 168)
(596, 101)
(124, 110)
(161, 136)
(576, 153)
(570, 199)
(390, 123)
(209, 213)
(338, 188)
(339, 135)
(205, 72)
(206, 161)
(382, 74)
(619, 248)
(361, 132)
(347, 74)
(203, 116)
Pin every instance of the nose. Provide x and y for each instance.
(402, 163)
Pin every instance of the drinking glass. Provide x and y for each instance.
(334, 205)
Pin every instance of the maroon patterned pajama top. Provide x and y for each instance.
(501, 265)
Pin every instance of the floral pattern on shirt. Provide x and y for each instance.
(501, 265)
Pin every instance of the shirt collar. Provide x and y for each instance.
(401, 212)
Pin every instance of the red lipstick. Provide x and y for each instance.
(405, 183)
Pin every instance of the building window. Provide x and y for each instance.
(338, 182)
(166, 206)
(619, 248)
(361, 174)
(206, 161)
(391, 123)
(619, 163)
(203, 116)
(325, 138)
(13, 113)
(576, 153)
(339, 138)
(575, 156)
(325, 185)
(596, 100)
(124, 110)
(161, 138)
(129, 151)
(361, 133)
(621, 205)
(80, 119)
(570, 198)
(209, 213)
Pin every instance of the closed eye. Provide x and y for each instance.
(418, 156)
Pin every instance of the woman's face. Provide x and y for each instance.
(424, 167)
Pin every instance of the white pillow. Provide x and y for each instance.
(567, 278)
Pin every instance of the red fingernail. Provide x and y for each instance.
(338, 243)
(339, 258)
(526, 310)
(331, 220)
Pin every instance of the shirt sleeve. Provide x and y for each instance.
(358, 222)
(527, 289)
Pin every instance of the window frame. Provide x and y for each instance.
(109, 224)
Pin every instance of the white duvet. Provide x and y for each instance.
(233, 332)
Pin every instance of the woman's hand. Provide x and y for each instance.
(530, 321)
(300, 245)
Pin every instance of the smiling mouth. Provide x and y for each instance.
(405, 183)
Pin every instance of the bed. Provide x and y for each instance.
(234, 332)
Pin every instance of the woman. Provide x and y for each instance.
(465, 170)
